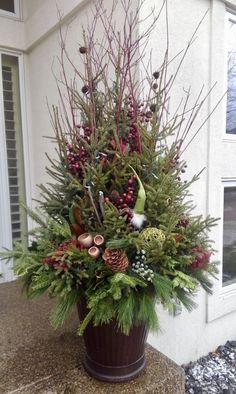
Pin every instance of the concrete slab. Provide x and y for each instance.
(34, 358)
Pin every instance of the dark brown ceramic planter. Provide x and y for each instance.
(110, 355)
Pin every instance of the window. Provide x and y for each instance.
(7, 5)
(231, 95)
(10, 8)
(229, 236)
(221, 161)
(13, 220)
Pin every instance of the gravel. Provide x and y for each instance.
(214, 373)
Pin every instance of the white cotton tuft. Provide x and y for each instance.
(138, 219)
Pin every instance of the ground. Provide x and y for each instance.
(35, 359)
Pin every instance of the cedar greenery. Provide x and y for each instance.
(94, 189)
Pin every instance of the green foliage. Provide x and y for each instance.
(126, 315)
(93, 190)
(64, 306)
(114, 223)
(163, 287)
(184, 281)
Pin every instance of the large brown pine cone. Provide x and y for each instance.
(116, 260)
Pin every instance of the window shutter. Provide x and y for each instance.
(11, 101)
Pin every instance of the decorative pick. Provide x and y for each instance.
(138, 212)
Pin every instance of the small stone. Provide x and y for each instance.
(214, 373)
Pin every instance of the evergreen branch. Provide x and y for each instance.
(86, 321)
(63, 308)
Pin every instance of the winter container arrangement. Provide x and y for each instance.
(115, 234)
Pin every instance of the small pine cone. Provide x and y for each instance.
(183, 221)
(83, 50)
(116, 260)
(153, 107)
(85, 89)
(156, 74)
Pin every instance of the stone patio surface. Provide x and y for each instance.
(36, 359)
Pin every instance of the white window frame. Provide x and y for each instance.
(227, 288)
(16, 14)
(5, 218)
(223, 300)
(230, 14)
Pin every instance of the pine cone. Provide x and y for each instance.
(116, 260)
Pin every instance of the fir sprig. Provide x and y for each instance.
(112, 147)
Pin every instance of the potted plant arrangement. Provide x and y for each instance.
(115, 232)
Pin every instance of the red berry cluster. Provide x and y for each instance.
(125, 201)
(137, 111)
(202, 258)
(77, 156)
(56, 260)
(134, 139)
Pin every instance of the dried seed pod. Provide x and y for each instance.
(86, 240)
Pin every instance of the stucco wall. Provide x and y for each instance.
(186, 336)
(31, 6)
